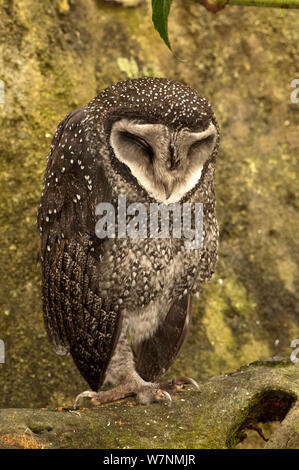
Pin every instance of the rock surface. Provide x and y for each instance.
(287, 435)
(218, 417)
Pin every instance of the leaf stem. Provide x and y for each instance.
(219, 4)
(266, 3)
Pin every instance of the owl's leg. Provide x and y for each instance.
(127, 382)
(122, 374)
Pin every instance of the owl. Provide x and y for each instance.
(121, 305)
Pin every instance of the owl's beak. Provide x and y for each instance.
(168, 188)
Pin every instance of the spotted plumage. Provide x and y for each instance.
(154, 140)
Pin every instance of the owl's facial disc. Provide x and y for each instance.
(167, 163)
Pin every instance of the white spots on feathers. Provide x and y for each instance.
(154, 98)
(84, 142)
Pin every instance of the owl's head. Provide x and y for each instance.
(167, 162)
(162, 135)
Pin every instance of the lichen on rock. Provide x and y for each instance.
(219, 417)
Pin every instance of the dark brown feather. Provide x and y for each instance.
(155, 355)
(77, 319)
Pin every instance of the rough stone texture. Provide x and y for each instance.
(54, 57)
(287, 435)
(216, 418)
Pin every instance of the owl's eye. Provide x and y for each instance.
(139, 141)
(202, 149)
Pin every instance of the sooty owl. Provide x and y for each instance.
(121, 305)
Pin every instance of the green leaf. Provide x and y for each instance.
(161, 9)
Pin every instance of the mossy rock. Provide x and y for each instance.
(216, 418)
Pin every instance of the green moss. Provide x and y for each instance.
(213, 418)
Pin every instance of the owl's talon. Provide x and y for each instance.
(187, 380)
(96, 401)
(176, 384)
(166, 395)
(148, 395)
(86, 394)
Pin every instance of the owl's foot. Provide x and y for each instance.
(146, 392)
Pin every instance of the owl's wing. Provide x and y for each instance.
(155, 355)
(77, 319)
